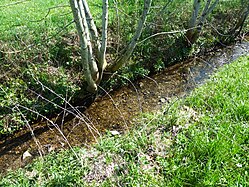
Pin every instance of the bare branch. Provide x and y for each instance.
(91, 25)
(91, 60)
(192, 35)
(164, 33)
(130, 48)
(192, 22)
(207, 10)
(15, 3)
(243, 16)
(48, 12)
(165, 7)
(118, 25)
(102, 60)
(82, 30)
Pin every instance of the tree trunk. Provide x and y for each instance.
(102, 57)
(130, 48)
(93, 51)
(86, 50)
(196, 25)
(238, 27)
(191, 33)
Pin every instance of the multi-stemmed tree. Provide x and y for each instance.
(93, 46)
(198, 19)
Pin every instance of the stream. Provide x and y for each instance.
(114, 111)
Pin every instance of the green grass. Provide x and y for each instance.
(33, 18)
(201, 140)
(36, 19)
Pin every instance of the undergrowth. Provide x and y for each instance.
(200, 140)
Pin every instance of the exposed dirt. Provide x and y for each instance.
(112, 112)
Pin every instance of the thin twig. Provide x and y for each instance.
(78, 114)
(122, 116)
(44, 41)
(54, 124)
(164, 33)
(15, 3)
(49, 10)
(136, 90)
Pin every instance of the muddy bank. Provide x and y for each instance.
(113, 111)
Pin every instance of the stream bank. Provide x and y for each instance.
(115, 111)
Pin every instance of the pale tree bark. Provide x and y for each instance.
(97, 46)
(195, 12)
(192, 22)
(93, 50)
(80, 21)
(130, 48)
(207, 10)
(196, 23)
(100, 48)
(92, 26)
(102, 56)
(91, 60)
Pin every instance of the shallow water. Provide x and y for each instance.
(114, 111)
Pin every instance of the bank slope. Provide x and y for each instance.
(201, 140)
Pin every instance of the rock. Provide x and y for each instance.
(141, 84)
(162, 100)
(31, 174)
(115, 133)
(26, 155)
(51, 148)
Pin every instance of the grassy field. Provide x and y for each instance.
(36, 20)
(201, 140)
(32, 20)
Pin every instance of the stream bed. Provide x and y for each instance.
(114, 111)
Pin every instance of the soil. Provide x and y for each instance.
(114, 111)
